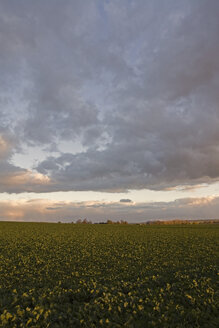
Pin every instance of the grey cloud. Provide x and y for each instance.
(125, 200)
(135, 82)
(45, 48)
(125, 167)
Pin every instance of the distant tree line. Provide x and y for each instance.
(156, 222)
(116, 222)
(85, 221)
(182, 222)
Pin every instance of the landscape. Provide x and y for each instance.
(109, 163)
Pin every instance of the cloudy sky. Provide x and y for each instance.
(109, 109)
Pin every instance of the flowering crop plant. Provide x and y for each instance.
(74, 275)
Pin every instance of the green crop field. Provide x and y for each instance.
(68, 275)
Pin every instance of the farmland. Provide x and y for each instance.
(75, 275)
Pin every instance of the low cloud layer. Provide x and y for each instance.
(45, 210)
(135, 83)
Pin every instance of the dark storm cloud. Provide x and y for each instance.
(135, 82)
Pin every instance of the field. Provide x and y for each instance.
(68, 275)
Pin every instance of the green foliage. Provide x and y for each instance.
(63, 275)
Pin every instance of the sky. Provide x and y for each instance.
(109, 110)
